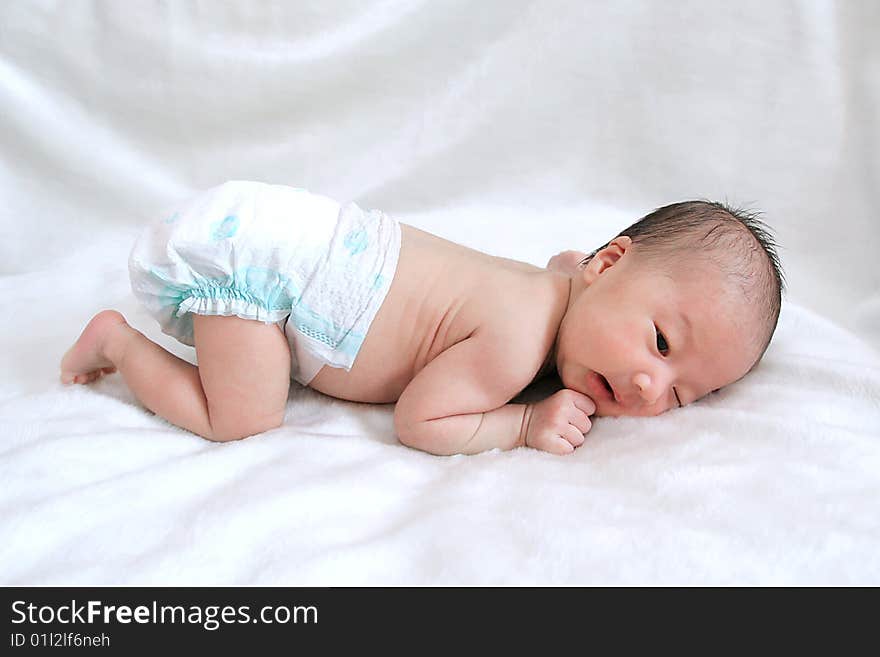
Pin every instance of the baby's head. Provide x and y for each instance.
(678, 305)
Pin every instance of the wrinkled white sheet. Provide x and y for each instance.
(521, 129)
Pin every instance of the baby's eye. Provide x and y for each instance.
(661, 342)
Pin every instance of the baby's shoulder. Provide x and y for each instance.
(517, 334)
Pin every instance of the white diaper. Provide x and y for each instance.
(275, 254)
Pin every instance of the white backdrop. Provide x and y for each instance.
(113, 108)
(518, 127)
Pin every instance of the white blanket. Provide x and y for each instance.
(521, 129)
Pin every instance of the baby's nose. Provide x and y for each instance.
(648, 391)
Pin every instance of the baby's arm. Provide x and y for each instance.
(456, 404)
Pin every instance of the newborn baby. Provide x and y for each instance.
(270, 283)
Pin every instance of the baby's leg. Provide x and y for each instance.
(239, 389)
(244, 367)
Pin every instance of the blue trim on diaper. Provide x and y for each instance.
(356, 241)
(318, 328)
(257, 285)
(262, 287)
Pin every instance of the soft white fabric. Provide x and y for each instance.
(271, 253)
(519, 128)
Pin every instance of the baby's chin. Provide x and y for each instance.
(606, 404)
(622, 412)
(604, 412)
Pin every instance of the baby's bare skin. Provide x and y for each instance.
(443, 293)
(459, 334)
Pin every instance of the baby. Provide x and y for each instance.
(270, 283)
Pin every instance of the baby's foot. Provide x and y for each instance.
(85, 361)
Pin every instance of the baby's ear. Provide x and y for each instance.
(607, 256)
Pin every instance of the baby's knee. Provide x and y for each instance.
(227, 428)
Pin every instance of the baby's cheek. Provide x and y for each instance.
(611, 343)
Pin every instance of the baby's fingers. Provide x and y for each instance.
(580, 420)
(574, 436)
(560, 445)
(566, 261)
(582, 402)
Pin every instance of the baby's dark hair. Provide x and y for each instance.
(734, 239)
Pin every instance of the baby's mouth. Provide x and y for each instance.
(608, 387)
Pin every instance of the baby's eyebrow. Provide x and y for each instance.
(688, 327)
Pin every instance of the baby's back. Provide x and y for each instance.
(443, 293)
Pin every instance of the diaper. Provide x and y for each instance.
(276, 254)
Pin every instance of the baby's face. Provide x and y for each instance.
(659, 340)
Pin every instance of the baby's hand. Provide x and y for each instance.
(566, 262)
(558, 424)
